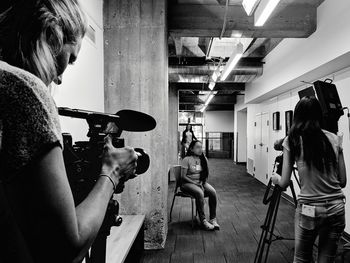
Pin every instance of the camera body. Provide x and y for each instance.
(83, 163)
(83, 158)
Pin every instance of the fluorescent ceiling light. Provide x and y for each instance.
(264, 11)
(232, 62)
(211, 85)
(210, 97)
(249, 6)
(215, 76)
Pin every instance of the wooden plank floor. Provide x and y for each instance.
(240, 213)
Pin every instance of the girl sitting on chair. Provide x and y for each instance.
(194, 176)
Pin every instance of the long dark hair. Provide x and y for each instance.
(186, 129)
(307, 124)
(183, 140)
(204, 162)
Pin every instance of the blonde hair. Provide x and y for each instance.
(33, 32)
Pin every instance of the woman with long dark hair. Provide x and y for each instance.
(194, 176)
(320, 162)
(187, 137)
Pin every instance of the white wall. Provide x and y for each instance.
(241, 137)
(218, 121)
(326, 53)
(240, 130)
(307, 59)
(287, 101)
(82, 85)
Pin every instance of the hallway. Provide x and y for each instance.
(240, 214)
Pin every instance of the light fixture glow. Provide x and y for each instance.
(264, 11)
(249, 6)
(210, 97)
(215, 76)
(232, 62)
(211, 85)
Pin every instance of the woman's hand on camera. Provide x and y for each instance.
(119, 163)
(276, 179)
(110, 161)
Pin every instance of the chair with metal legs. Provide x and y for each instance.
(176, 171)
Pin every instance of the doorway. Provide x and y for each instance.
(261, 147)
(241, 137)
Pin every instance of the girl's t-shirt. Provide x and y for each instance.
(317, 186)
(193, 166)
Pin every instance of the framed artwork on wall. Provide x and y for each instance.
(276, 121)
(289, 120)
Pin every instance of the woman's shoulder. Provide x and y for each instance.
(14, 79)
(22, 88)
(186, 161)
(29, 117)
(187, 158)
(333, 138)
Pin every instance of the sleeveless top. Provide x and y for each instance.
(315, 185)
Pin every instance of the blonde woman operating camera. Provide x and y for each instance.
(38, 219)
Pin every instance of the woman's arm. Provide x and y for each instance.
(194, 138)
(286, 168)
(185, 178)
(283, 181)
(81, 224)
(341, 169)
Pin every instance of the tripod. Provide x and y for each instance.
(267, 235)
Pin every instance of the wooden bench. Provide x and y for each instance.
(126, 242)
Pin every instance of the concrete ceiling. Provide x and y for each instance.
(196, 49)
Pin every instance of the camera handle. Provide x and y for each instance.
(98, 249)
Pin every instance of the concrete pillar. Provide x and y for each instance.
(136, 77)
(173, 138)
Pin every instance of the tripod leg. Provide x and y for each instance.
(274, 217)
(296, 178)
(265, 228)
(293, 193)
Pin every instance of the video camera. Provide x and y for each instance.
(327, 94)
(83, 161)
(83, 158)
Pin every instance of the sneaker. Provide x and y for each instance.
(207, 226)
(214, 223)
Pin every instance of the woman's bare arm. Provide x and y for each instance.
(286, 168)
(81, 224)
(184, 177)
(288, 162)
(341, 170)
